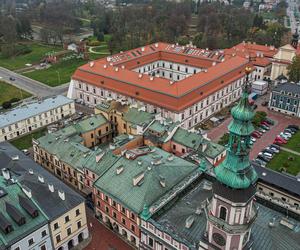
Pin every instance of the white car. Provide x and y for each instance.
(288, 134)
(275, 150)
(253, 139)
(284, 136)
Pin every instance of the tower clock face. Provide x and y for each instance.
(219, 239)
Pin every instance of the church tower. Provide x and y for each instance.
(231, 211)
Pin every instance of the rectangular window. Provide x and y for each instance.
(67, 219)
(56, 226)
(69, 231)
(151, 243)
(44, 233)
(132, 228)
(58, 239)
(77, 212)
(30, 242)
(79, 224)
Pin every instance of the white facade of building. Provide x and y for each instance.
(93, 95)
(39, 239)
(31, 116)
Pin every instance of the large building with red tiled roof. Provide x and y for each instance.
(183, 83)
(261, 57)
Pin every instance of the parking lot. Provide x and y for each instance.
(281, 122)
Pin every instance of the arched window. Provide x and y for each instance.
(223, 213)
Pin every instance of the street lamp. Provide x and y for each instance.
(58, 76)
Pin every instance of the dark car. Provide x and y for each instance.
(261, 157)
(293, 130)
(293, 126)
(275, 146)
(269, 151)
(12, 79)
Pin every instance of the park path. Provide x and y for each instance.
(290, 151)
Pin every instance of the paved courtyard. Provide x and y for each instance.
(281, 120)
(103, 238)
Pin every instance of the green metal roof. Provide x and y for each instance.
(160, 174)
(13, 191)
(106, 160)
(90, 123)
(138, 117)
(213, 149)
(188, 139)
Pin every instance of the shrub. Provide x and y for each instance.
(15, 99)
(6, 105)
(94, 43)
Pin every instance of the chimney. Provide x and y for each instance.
(51, 187)
(6, 174)
(41, 179)
(61, 195)
(27, 191)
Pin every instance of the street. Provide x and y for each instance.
(293, 6)
(31, 86)
(103, 238)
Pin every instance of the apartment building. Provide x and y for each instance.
(34, 115)
(64, 152)
(63, 207)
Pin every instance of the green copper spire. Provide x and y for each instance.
(236, 170)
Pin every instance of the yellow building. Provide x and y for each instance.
(282, 59)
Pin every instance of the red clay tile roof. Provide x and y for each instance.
(115, 74)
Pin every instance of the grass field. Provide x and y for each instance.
(57, 74)
(294, 142)
(8, 92)
(37, 53)
(25, 141)
(281, 160)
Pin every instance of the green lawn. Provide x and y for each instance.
(102, 48)
(281, 160)
(57, 74)
(294, 142)
(37, 53)
(25, 141)
(8, 92)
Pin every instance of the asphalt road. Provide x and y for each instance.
(293, 5)
(31, 86)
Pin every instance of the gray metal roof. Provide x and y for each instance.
(31, 109)
(285, 182)
(173, 222)
(292, 88)
(52, 205)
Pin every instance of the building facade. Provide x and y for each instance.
(63, 208)
(285, 98)
(34, 115)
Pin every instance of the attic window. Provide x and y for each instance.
(201, 93)
(137, 93)
(222, 81)
(137, 180)
(138, 62)
(102, 82)
(186, 60)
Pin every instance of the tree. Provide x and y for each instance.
(294, 70)
(224, 139)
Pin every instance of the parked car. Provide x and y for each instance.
(253, 139)
(260, 162)
(293, 126)
(268, 151)
(12, 79)
(266, 155)
(255, 135)
(275, 150)
(284, 136)
(264, 127)
(265, 103)
(265, 123)
(262, 130)
(292, 129)
(287, 130)
(263, 158)
(270, 121)
(258, 132)
(278, 138)
(288, 134)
